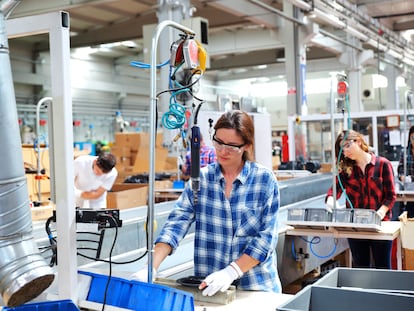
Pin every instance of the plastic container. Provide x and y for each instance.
(91, 147)
(318, 298)
(366, 216)
(297, 214)
(375, 279)
(318, 214)
(409, 186)
(136, 295)
(342, 215)
(356, 289)
(60, 305)
(178, 184)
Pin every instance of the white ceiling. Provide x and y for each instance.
(97, 22)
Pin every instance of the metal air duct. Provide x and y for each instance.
(24, 274)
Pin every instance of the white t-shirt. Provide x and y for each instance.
(86, 180)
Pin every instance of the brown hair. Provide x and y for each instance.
(106, 162)
(243, 124)
(345, 164)
(409, 135)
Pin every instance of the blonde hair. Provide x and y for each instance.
(345, 164)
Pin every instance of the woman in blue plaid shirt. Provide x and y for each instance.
(236, 216)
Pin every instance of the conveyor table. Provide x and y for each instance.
(389, 230)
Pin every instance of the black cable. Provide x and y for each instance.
(110, 261)
(113, 262)
(52, 241)
(183, 87)
(197, 110)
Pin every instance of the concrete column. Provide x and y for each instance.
(290, 40)
(353, 58)
(295, 38)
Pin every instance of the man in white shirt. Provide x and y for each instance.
(94, 176)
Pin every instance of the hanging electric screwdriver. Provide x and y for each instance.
(195, 161)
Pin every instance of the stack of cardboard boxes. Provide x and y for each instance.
(132, 152)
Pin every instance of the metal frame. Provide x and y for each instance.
(153, 121)
(56, 24)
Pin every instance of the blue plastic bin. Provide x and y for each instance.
(80, 145)
(60, 305)
(136, 295)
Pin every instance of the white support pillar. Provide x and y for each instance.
(391, 96)
(61, 142)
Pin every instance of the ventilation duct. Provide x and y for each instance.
(24, 274)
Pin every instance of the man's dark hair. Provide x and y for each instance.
(106, 162)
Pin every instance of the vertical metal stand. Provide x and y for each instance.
(333, 139)
(153, 123)
(39, 184)
(408, 94)
(57, 25)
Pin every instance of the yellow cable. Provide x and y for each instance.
(202, 57)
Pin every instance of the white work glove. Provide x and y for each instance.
(403, 217)
(221, 280)
(329, 205)
(381, 213)
(142, 274)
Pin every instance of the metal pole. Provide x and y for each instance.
(39, 104)
(333, 138)
(153, 122)
(407, 95)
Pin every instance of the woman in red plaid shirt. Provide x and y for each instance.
(368, 181)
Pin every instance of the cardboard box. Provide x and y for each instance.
(407, 234)
(127, 198)
(408, 259)
(325, 168)
(158, 184)
(407, 241)
(141, 164)
(121, 151)
(131, 140)
(126, 186)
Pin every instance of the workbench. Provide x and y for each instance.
(404, 196)
(389, 230)
(247, 300)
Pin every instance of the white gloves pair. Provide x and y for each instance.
(329, 204)
(221, 280)
(142, 274)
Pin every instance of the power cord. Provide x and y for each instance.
(312, 242)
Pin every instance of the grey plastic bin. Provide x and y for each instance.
(356, 289)
(317, 298)
(383, 280)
